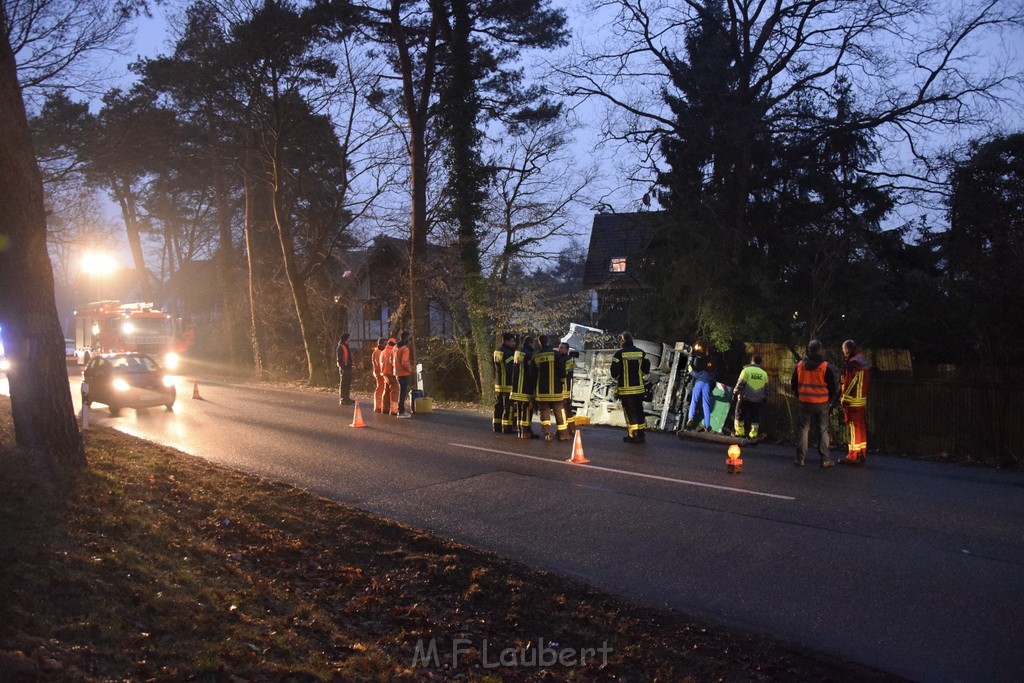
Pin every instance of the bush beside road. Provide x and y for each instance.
(154, 565)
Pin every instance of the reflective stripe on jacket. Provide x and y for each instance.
(629, 365)
(387, 360)
(855, 382)
(524, 377)
(812, 385)
(550, 375)
(503, 359)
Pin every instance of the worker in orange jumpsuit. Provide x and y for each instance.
(854, 400)
(387, 366)
(380, 383)
(403, 369)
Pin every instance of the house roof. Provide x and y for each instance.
(618, 236)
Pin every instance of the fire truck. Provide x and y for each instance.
(111, 326)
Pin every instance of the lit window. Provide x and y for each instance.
(617, 265)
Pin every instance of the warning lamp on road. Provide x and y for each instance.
(734, 464)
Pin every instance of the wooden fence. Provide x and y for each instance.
(978, 417)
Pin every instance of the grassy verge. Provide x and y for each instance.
(154, 565)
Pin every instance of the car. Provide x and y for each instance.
(127, 380)
(70, 352)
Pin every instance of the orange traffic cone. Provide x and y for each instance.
(357, 417)
(195, 390)
(577, 450)
(734, 464)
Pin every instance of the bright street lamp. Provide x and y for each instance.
(98, 265)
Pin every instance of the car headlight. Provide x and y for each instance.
(168, 381)
(121, 385)
(171, 361)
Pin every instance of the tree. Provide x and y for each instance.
(761, 89)
(984, 246)
(463, 51)
(37, 34)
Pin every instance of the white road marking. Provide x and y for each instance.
(628, 473)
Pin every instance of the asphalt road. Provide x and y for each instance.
(915, 568)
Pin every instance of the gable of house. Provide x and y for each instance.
(617, 243)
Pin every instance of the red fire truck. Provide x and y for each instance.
(110, 326)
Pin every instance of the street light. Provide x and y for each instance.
(97, 265)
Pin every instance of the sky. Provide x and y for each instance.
(152, 38)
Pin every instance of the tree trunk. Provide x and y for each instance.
(41, 406)
(256, 193)
(315, 365)
(225, 259)
(418, 301)
(126, 200)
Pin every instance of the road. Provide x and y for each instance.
(912, 567)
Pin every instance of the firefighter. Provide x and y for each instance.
(403, 369)
(345, 372)
(570, 366)
(854, 401)
(815, 387)
(380, 383)
(629, 365)
(550, 368)
(750, 394)
(524, 382)
(503, 359)
(387, 366)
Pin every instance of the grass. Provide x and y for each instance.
(155, 565)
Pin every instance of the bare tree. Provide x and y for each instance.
(917, 69)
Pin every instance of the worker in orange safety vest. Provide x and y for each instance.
(403, 369)
(380, 383)
(854, 400)
(387, 366)
(815, 386)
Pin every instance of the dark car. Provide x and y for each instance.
(127, 380)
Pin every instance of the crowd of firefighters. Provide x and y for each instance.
(534, 377)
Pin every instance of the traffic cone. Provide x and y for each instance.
(577, 451)
(195, 390)
(357, 417)
(734, 464)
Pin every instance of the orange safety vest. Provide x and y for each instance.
(375, 360)
(811, 386)
(403, 364)
(387, 360)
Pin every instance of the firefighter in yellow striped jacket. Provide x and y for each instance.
(853, 398)
(550, 368)
(503, 357)
(629, 365)
(524, 382)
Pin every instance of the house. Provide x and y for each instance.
(616, 267)
(369, 289)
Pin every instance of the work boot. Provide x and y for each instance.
(690, 425)
(631, 439)
(828, 463)
(799, 462)
(641, 437)
(562, 435)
